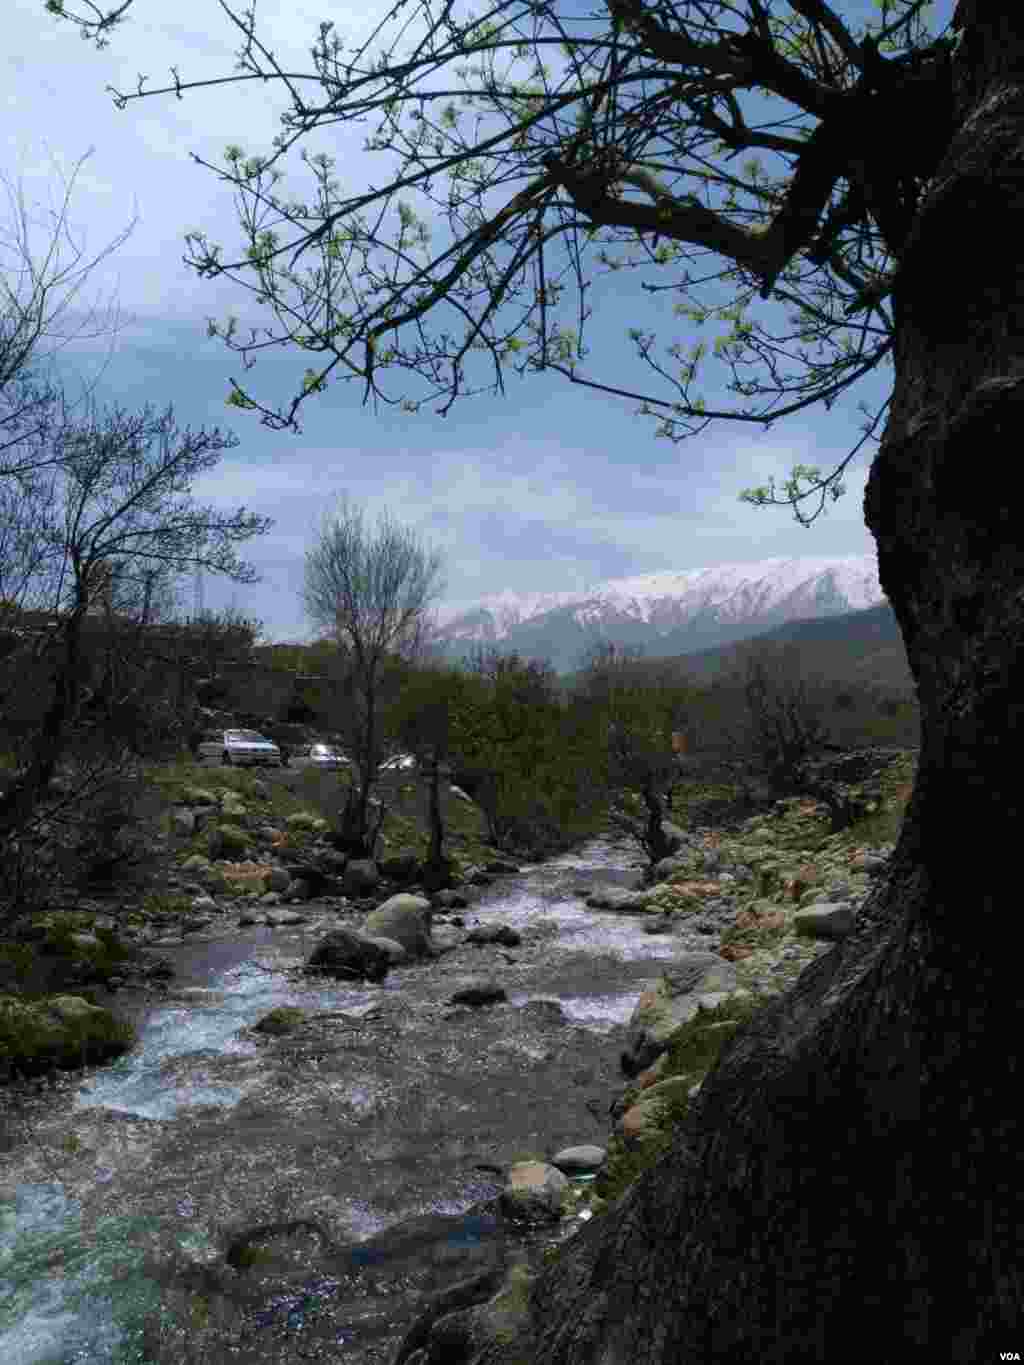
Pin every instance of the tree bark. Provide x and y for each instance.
(850, 1180)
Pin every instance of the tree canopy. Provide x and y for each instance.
(545, 149)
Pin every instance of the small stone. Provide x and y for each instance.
(479, 992)
(572, 1160)
(277, 918)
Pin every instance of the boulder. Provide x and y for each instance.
(621, 901)
(397, 955)
(361, 877)
(694, 979)
(579, 1160)
(406, 919)
(62, 1031)
(825, 920)
(197, 796)
(351, 956)
(299, 890)
(534, 1193)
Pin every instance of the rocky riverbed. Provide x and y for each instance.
(270, 1192)
(223, 1192)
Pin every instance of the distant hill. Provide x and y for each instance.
(860, 647)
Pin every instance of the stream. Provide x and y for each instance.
(216, 1194)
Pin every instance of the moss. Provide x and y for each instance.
(692, 1051)
(165, 905)
(250, 1256)
(284, 1019)
(509, 1309)
(59, 1031)
(226, 838)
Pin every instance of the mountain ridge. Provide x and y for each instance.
(684, 613)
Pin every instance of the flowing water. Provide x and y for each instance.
(218, 1195)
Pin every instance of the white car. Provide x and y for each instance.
(239, 746)
(398, 761)
(326, 757)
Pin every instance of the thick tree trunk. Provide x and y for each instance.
(850, 1181)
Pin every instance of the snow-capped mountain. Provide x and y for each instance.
(666, 613)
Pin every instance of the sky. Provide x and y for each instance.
(549, 487)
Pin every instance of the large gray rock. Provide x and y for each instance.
(621, 901)
(348, 955)
(579, 1160)
(396, 953)
(406, 919)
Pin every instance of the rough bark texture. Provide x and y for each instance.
(850, 1182)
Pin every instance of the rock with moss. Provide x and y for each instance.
(284, 1019)
(227, 839)
(694, 980)
(407, 920)
(303, 822)
(472, 1319)
(62, 1031)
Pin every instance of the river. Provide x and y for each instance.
(217, 1195)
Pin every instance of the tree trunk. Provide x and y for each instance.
(18, 804)
(850, 1180)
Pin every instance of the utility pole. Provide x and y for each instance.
(197, 594)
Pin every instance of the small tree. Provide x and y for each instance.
(786, 714)
(425, 721)
(370, 593)
(638, 708)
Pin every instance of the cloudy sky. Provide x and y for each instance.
(549, 487)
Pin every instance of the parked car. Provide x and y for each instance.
(327, 758)
(239, 746)
(398, 761)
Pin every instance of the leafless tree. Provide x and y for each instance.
(113, 524)
(37, 291)
(370, 592)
